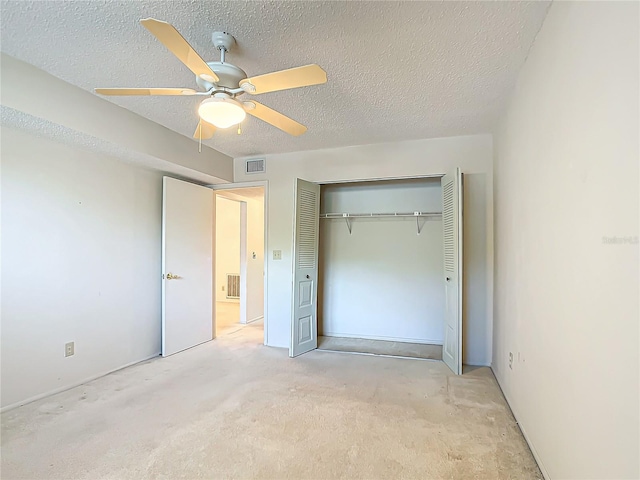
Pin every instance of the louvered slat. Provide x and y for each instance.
(448, 225)
(307, 233)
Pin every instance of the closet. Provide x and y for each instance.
(380, 267)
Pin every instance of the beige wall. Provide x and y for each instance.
(85, 114)
(227, 245)
(566, 299)
(81, 240)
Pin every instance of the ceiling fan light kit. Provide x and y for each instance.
(222, 82)
(221, 111)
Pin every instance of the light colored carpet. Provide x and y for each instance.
(227, 317)
(233, 408)
(380, 347)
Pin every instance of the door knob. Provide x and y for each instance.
(171, 276)
(308, 276)
(448, 279)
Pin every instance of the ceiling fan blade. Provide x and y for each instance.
(274, 118)
(171, 38)
(145, 91)
(204, 130)
(285, 79)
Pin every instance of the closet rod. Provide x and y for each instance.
(348, 216)
(380, 215)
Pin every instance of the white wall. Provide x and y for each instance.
(383, 281)
(227, 245)
(420, 157)
(88, 114)
(566, 301)
(81, 262)
(255, 266)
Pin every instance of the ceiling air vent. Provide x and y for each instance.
(255, 165)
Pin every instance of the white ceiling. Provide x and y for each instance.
(397, 70)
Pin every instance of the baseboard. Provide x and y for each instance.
(73, 385)
(378, 355)
(537, 458)
(475, 365)
(255, 319)
(387, 339)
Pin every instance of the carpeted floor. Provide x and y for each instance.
(227, 317)
(233, 408)
(380, 347)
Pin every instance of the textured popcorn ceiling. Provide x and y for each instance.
(397, 70)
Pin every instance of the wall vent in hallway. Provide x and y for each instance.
(255, 165)
(233, 285)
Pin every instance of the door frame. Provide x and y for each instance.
(406, 177)
(380, 179)
(240, 185)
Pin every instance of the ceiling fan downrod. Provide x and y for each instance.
(223, 42)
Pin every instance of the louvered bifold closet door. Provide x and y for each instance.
(452, 231)
(304, 325)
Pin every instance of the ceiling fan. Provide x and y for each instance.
(222, 83)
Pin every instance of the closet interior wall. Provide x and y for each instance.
(383, 280)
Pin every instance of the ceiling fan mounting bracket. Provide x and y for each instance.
(223, 40)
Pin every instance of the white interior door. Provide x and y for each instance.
(452, 228)
(187, 265)
(304, 322)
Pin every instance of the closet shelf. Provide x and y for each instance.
(381, 215)
(349, 216)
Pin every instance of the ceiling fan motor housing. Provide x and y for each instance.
(229, 76)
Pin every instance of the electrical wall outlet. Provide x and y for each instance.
(69, 349)
(277, 254)
(511, 360)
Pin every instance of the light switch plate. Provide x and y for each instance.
(69, 349)
(277, 254)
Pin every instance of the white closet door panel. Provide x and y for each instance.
(452, 230)
(304, 324)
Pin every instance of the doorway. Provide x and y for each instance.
(380, 268)
(399, 276)
(189, 285)
(239, 261)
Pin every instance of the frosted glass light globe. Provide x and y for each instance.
(222, 112)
